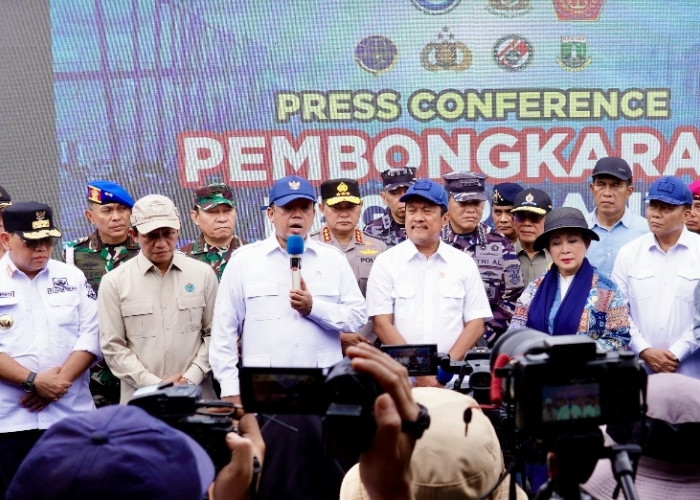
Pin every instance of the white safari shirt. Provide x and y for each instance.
(42, 321)
(253, 301)
(431, 299)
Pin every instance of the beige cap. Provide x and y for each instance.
(154, 211)
(446, 463)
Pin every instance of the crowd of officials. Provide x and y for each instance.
(127, 309)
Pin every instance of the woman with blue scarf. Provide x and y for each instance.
(572, 297)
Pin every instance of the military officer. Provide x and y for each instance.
(105, 249)
(390, 227)
(502, 200)
(214, 212)
(341, 206)
(110, 243)
(494, 253)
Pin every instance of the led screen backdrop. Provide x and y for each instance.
(165, 95)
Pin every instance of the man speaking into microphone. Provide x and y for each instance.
(282, 325)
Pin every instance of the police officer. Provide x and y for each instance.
(341, 206)
(214, 212)
(494, 253)
(390, 227)
(502, 200)
(105, 249)
(48, 334)
(5, 201)
(110, 244)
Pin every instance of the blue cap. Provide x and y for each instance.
(430, 190)
(504, 193)
(290, 188)
(112, 453)
(670, 190)
(103, 192)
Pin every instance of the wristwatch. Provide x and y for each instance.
(417, 428)
(28, 385)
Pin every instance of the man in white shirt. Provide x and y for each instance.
(658, 273)
(282, 326)
(48, 334)
(423, 290)
(611, 220)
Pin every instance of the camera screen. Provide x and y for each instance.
(282, 390)
(570, 402)
(419, 359)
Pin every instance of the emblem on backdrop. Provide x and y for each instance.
(509, 8)
(435, 6)
(376, 54)
(512, 52)
(578, 10)
(447, 54)
(574, 53)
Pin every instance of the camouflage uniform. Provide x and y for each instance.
(95, 259)
(386, 229)
(499, 267)
(215, 257)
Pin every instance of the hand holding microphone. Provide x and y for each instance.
(299, 297)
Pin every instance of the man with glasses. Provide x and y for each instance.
(214, 212)
(614, 224)
(529, 208)
(156, 310)
(5, 201)
(48, 334)
(493, 253)
(391, 226)
(693, 222)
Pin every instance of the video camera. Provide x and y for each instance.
(341, 395)
(182, 407)
(474, 372)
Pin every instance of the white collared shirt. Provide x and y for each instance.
(253, 301)
(49, 317)
(431, 299)
(659, 287)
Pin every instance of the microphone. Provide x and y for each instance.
(295, 247)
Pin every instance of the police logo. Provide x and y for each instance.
(509, 8)
(376, 54)
(576, 10)
(446, 54)
(574, 53)
(189, 287)
(6, 321)
(512, 52)
(435, 6)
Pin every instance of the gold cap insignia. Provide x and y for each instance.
(40, 221)
(342, 189)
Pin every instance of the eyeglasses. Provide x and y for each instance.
(30, 243)
(523, 216)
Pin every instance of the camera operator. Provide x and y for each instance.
(122, 452)
(670, 463)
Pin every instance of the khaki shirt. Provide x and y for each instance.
(153, 326)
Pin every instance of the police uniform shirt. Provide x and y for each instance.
(154, 325)
(253, 302)
(431, 299)
(42, 321)
(360, 252)
(660, 287)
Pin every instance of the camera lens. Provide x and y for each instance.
(517, 342)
